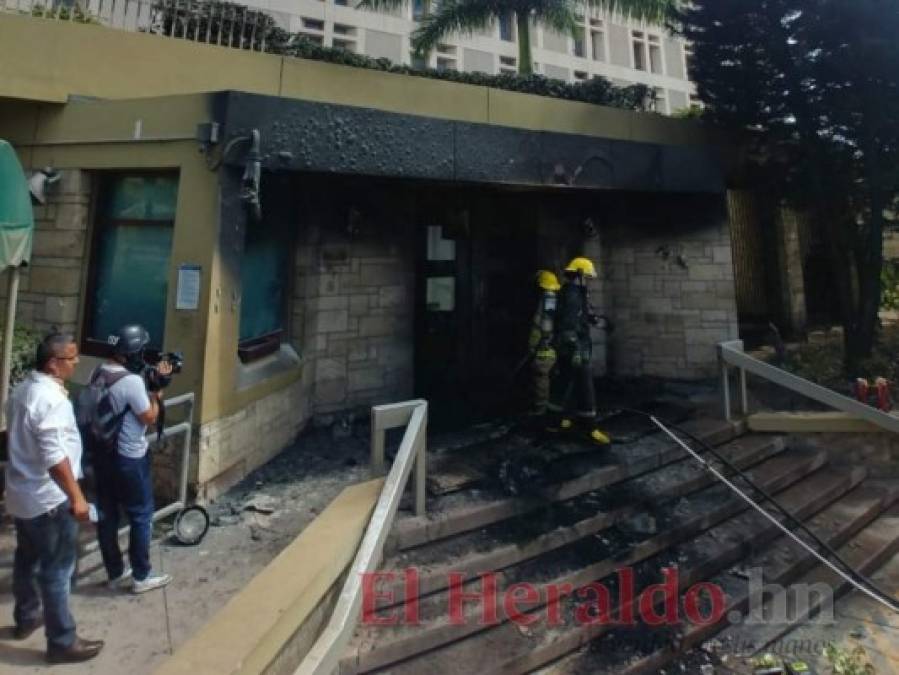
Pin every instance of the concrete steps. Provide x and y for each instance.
(854, 525)
(552, 559)
(498, 546)
(472, 509)
(505, 648)
(641, 507)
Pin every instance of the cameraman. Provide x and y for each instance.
(123, 478)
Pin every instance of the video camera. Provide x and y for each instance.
(152, 358)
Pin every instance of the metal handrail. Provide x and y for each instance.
(186, 428)
(323, 658)
(731, 354)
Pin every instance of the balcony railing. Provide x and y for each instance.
(220, 23)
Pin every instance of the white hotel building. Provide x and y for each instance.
(624, 51)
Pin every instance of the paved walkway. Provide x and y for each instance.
(140, 631)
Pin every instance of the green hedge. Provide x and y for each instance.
(889, 281)
(254, 29)
(597, 90)
(25, 341)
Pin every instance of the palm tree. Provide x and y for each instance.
(465, 16)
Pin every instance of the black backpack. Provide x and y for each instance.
(97, 420)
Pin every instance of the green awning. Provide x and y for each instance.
(16, 215)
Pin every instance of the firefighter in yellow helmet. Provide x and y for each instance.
(540, 340)
(571, 380)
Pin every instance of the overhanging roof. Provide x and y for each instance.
(323, 137)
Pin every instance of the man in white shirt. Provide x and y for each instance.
(124, 477)
(44, 498)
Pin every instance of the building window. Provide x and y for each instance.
(660, 101)
(446, 64)
(418, 62)
(508, 65)
(129, 270)
(597, 40)
(580, 49)
(647, 50)
(446, 57)
(419, 9)
(638, 44)
(344, 37)
(346, 45)
(264, 278)
(313, 24)
(342, 3)
(655, 55)
(507, 27)
(580, 75)
(689, 60)
(312, 30)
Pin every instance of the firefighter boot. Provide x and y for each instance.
(557, 424)
(599, 437)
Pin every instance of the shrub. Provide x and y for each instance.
(226, 23)
(889, 282)
(62, 13)
(24, 344)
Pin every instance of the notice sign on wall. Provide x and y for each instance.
(188, 296)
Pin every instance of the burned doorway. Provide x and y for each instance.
(474, 299)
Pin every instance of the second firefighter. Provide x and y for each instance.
(571, 380)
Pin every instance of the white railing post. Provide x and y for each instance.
(731, 354)
(377, 444)
(744, 394)
(725, 383)
(421, 466)
(324, 656)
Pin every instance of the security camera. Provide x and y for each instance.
(39, 182)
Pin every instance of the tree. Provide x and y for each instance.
(466, 16)
(813, 88)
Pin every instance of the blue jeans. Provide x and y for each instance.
(125, 482)
(42, 572)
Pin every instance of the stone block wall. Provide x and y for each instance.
(669, 288)
(231, 447)
(353, 306)
(50, 288)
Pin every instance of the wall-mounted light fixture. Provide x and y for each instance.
(208, 135)
(252, 176)
(40, 182)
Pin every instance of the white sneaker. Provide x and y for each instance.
(152, 582)
(120, 582)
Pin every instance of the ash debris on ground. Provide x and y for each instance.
(622, 647)
(304, 477)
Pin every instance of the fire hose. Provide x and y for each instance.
(831, 560)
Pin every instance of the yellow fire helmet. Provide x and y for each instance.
(547, 281)
(582, 265)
